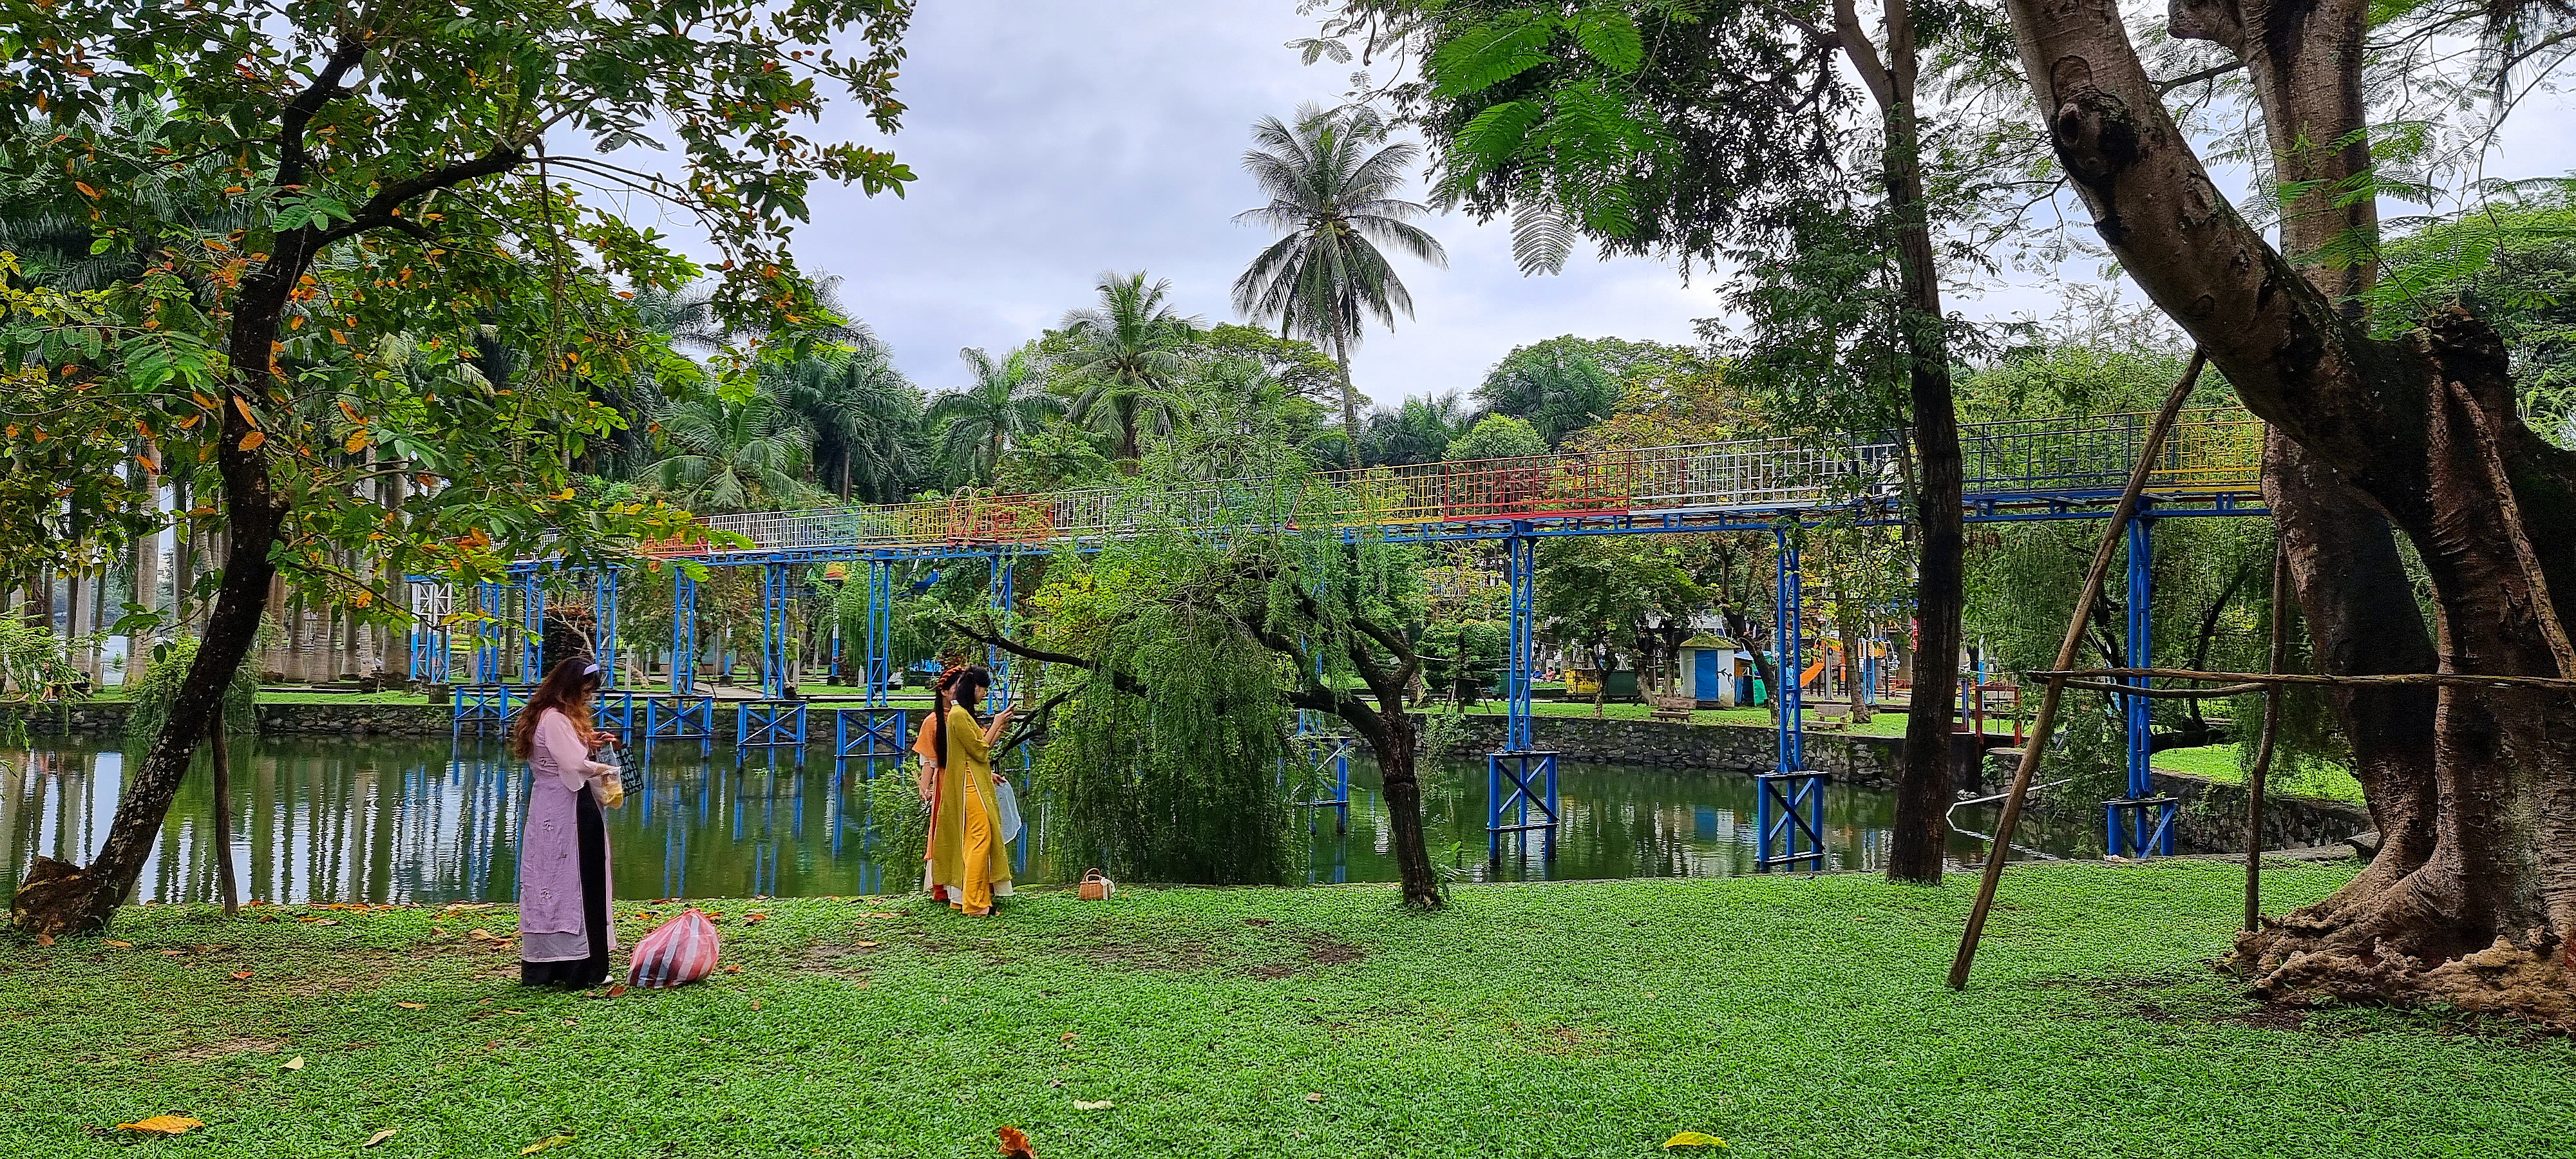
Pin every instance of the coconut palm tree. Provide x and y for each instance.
(1127, 352)
(1331, 180)
(728, 458)
(1005, 403)
(859, 411)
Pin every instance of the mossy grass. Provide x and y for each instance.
(1790, 1016)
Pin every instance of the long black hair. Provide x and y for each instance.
(963, 686)
(567, 689)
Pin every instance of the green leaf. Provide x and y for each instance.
(1490, 54)
(1610, 37)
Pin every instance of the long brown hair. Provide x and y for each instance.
(567, 690)
(963, 686)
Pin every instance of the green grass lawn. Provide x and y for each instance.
(2221, 763)
(1789, 1016)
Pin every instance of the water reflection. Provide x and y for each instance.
(383, 820)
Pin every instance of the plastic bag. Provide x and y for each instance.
(682, 951)
(1006, 804)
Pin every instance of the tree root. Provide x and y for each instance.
(60, 898)
(2532, 977)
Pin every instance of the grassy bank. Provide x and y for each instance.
(2226, 765)
(1790, 1017)
(1884, 722)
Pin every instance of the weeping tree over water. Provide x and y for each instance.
(1183, 650)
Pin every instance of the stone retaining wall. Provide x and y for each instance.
(107, 717)
(1867, 761)
(2212, 816)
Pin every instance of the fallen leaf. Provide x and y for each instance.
(514, 1012)
(755, 1003)
(119, 945)
(542, 1144)
(733, 969)
(866, 945)
(879, 914)
(44, 939)
(1314, 1096)
(162, 1125)
(748, 919)
(615, 989)
(1014, 1144)
(295, 1063)
(411, 1005)
(379, 1137)
(1069, 1036)
(241, 975)
(1693, 1139)
(1102, 1105)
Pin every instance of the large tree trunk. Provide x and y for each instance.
(1924, 780)
(57, 897)
(1393, 737)
(2473, 902)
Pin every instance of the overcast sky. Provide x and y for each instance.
(1061, 138)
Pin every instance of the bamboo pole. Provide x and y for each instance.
(2262, 770)
(2447, 679)
(2056, 689)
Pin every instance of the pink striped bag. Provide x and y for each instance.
(682, 951)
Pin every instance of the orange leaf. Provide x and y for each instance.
(190, 423)
(251, 441)
(1014, 1144)
(244, 408)
(357, 442)
(350, 411)
(241, 975)
(162, 1125)
(148, 464)
(44, 939)
(86, 191)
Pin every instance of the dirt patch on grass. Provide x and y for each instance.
(227, 1047)
(1266, 953)
(2143, 997)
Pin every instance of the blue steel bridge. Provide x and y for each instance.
(2018, 470)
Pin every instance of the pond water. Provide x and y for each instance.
(408, 820)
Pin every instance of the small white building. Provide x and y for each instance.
(1711, 667)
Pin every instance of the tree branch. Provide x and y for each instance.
(2213, 72)
(1122, 681)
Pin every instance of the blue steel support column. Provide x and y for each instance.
(880, 659)
(2141, 824)
(532, 611)
(1530, 774)
(997, 661)
(1521, 558)
(684, 715)
(1789, 805)
(774, 720)
(684, 634)
(487, 638)
(773, 630)
(603, 625)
